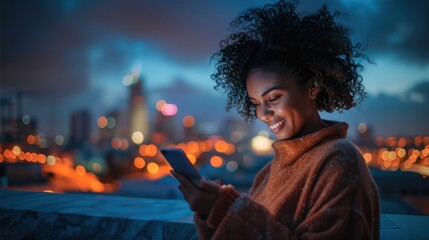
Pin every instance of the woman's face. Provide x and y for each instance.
(288, 109)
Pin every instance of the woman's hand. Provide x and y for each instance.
(200, 194)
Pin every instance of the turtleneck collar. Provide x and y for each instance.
(288, 150)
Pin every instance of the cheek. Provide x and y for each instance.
(294, 112)
(285, 108)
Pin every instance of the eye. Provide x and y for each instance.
(273, 99)
(255, 104)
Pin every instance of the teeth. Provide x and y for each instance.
(277, 124)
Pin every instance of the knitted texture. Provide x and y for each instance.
(316, 187)
(227, 195)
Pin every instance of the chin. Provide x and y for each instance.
(285, 135)
(282, 136)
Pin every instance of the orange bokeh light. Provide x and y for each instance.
(426, 140)
(116, 143)
(102, 122)
(7, 153)
(80, 170)
(41, 158)
(31, 139)
(151, 150)
(221, 146)
(124, 144)
(192, 147)
(192, 158)
(216, 161)
(21, 156)
(367, 157)
(96, 186)
(152, 168)
(34, 157)
(28, 156)
(159, 104)
(231, 149)
(418, 141)
(188, 121)
(402, 142)
(139, 162)
(142, 150)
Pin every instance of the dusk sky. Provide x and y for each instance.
(73, 54)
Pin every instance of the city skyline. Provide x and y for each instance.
(79, 60)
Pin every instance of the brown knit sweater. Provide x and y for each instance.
(316, 187)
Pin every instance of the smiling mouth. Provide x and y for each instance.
(277, 124)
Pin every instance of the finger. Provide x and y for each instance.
(183, 180)
(185, 195)
(187, 186)
(208, 186)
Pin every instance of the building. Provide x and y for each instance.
(138, 113)
(80, 128)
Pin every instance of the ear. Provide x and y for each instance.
(313, 90)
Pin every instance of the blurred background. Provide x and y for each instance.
(90, 90)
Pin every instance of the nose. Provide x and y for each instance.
(264, 113)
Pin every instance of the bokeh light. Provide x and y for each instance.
(137, 137)
(59, 140)
(261, 145)
(232, 166)
(367, 157)
(152, 168)
(50, 160)
(31, 139)
(160, 104)
(26, 119)
(216, 161)
(188, 121)
(102, 122)
(192, 158)
(80, 170)
(111, 122)
(362, 128)
(139, 162)
(169, 109)
(127, 80)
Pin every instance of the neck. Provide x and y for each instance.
(316, 123)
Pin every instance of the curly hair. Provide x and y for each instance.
(312, 47)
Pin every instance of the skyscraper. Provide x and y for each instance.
(139, 119)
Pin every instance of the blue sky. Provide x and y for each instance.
(72, 55)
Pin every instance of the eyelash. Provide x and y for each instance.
(274, 99)
(271, 100)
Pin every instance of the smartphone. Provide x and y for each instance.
(180, 163)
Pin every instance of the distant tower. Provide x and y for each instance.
(80, 127)
(139, 119)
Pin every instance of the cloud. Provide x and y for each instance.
(398, 27)
(389, 115)
(46, 45)
(39, 50)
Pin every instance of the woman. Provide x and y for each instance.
(283, 69)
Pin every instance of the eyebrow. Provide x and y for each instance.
(269, 90)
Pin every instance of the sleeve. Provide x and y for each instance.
(329, 212)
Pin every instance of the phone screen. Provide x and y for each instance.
(180, 163)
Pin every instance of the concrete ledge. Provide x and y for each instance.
(36, 215)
